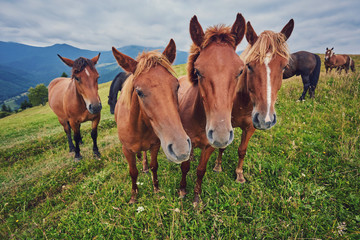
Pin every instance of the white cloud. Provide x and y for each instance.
(99, 25)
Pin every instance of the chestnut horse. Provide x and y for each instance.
(340, 62)
(206, 95)
(265, 57)
(75, 100)
(147, 111)
(307, 65)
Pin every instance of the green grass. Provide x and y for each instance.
(302, 177)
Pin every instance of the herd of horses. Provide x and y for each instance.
(220, 92)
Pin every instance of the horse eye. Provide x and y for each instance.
(240, 73)
(177, 88)
(140, 93)
(77, 78)
(249, 67)
(197, 72)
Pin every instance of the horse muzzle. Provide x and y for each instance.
(263, 123)
(178, 152)
(94, 108)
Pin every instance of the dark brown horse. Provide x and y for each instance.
(308, 66)
(338, 61)
(147, 112)
(266, 57)
(75, 100)
(207, 94)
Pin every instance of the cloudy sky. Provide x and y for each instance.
(100, 24)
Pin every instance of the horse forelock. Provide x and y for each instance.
(216, 34)
(146, 61)
(80, 64)
(268, 44)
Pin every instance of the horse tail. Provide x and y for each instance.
(352, 64)
(314, 76)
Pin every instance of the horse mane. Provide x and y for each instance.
(146, 61)
(268, 43)
(80, 64)
(219, 34)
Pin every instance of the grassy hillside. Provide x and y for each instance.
(302, 177)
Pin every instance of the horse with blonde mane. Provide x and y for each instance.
(147, 113)
(206, 95)
(76, 100)
(265, 57)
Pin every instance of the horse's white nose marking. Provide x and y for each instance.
(268, 86)
(87, 72)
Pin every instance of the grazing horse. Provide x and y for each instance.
(206, 95)
(147, 112)
(265, 57)
(115, 87)
(308, 66)
(338, 61)
(75, 100)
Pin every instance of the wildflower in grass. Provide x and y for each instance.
(140, 209)
(17, 220)
(139, 183)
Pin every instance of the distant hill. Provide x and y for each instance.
(23, 66)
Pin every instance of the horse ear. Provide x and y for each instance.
(327, 49)
(95, 59)
(196, 31)
(170, 51)
(238, 28)
(126, 62)
(67, 61)
(287, 30)
(251, 35)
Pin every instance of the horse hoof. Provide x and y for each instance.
(97, 155)
(217, 168)
(240, 180)
(78, 159)
(182, 193)
(132, 200)
(196, 201)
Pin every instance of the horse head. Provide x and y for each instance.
(266, 58)
(153, 87)
(85, 77)
(215, 67)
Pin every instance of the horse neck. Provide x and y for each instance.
(74, 94)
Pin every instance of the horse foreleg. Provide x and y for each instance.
(245, 137)
(185, 167)
(131, 159)
(145, 163)
(67, 130)
(306, 83)
(76, 128)
(94, 135)
(201, 169)
(154, 150)
(218, 161)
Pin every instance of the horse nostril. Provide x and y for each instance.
(210, 134)
(231, 135)
(170, 149)
(189, 142)
(256, 118)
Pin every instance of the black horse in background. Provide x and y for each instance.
(308, 66)
(116, 86)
